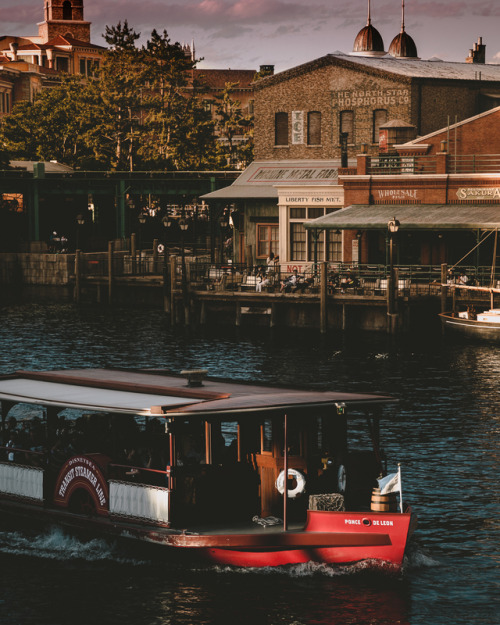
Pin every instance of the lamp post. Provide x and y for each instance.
(142, 221)
(392, 227)
(223, 223)
(79, 223)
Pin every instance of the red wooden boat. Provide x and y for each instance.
(197, 464)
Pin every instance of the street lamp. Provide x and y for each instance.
(223, 223)
(392, 227)
(79, 223)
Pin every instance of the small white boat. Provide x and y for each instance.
(483, 326)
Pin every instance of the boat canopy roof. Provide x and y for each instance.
(162, 393)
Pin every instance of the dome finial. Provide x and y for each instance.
(368, 41)
(402, 16)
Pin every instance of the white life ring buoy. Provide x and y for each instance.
(341, 479)
(299, 478)
(160, 248)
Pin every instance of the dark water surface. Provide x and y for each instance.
(444, 432)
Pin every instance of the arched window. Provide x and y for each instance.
(67, 10)
(379, 118)
(314, 128)
(281, 129)
(347, 125)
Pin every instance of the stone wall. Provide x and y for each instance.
(39, 269)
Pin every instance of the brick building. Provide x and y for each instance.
(335, 107)
(443, 188)
(302, 112)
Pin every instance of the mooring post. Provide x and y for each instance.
(78, 276)
(173, 279)
(111, 249)
(444, 288)
(133, 252)
(323, 299)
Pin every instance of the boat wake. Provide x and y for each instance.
(311, 569)
(56, 545)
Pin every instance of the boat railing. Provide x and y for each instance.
(18, 455)
(128, 473)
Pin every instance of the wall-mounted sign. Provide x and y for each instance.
(396, 194)
(372, 97)
(293, 174)
(297, 127)
(479, 193)
(330, 197)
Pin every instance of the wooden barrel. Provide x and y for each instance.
(384, 503)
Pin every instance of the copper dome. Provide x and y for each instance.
(403, 46)
(369, 41)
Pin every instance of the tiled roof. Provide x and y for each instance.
(69, 41)
(217, 78)
(407, 68)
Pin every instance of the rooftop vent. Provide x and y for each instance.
(194, 377)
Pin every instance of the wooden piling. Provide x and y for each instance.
(323, 298)
(111, 249)
(444, 288)
(133, 252)
(78, 276)
(173, 279)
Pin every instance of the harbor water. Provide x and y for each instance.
(444, 432)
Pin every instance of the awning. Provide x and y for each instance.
(259, 179)
(411, 217)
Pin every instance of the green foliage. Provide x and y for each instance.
(142, 110)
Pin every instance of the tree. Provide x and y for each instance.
(234, 129)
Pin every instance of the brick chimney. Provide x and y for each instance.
(478, 54)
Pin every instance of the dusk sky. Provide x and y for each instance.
(243, 34)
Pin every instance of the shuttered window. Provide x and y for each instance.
(281, 129)
(347, 125)
(379, 118)
(314, 128)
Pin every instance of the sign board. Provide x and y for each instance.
(297, 127)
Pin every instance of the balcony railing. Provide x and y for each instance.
(395, 164)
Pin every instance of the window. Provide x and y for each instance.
(298, 241)
(281, 129)
(379, 118)
(347, 125)
(267, 240)
(250, 107)
(334, 246)
(67, 10)
(314, 128)
(82, 66)
(303, 244)
(62, 64)
(207, 106)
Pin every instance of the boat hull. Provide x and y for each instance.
(348, 537)
(327, 537)
(470, 328)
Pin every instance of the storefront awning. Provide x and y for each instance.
(411, 217)
(262, 178)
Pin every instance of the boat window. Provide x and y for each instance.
(190, 443)
(267, 436)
